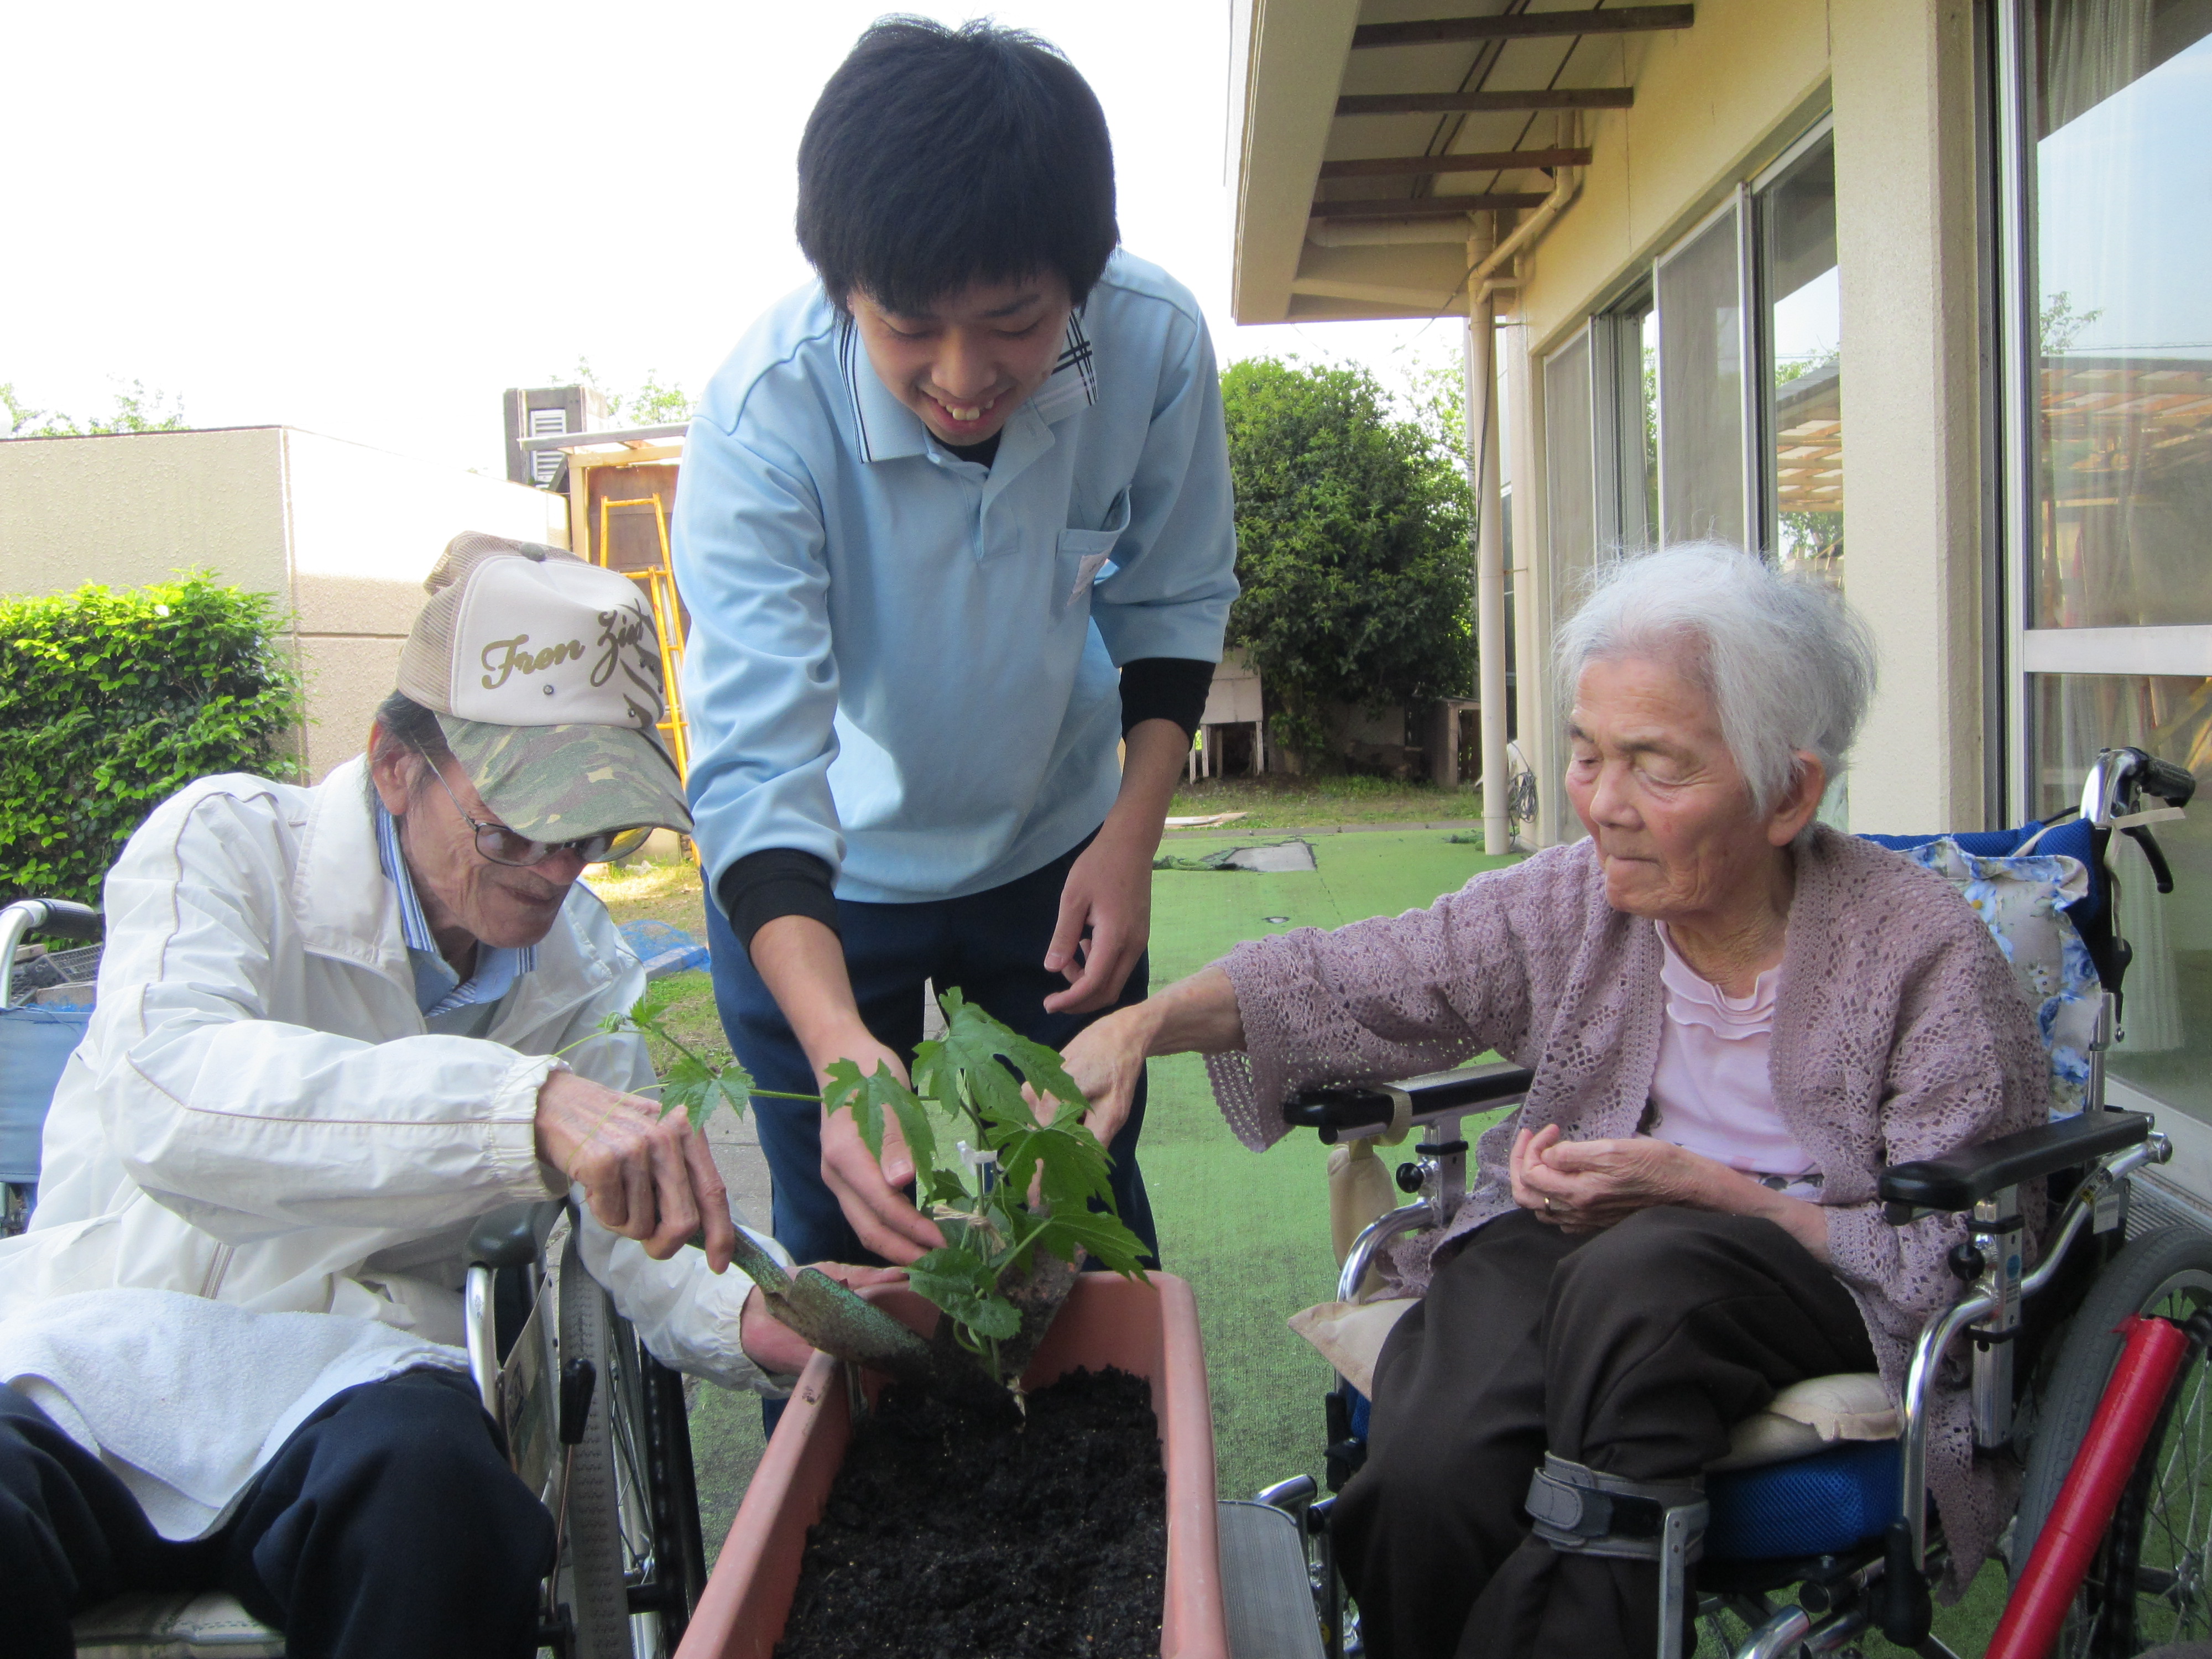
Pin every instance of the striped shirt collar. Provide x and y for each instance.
(889, 430)
(438, 989)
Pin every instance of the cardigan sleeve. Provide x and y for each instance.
(1964, 1065)
(1388, 997)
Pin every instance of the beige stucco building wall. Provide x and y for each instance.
(1713, 106)
(341, 533)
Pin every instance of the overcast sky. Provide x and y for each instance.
(366, 220)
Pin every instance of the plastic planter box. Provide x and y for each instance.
(1147, 1329)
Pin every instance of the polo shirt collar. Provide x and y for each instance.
(888, 429)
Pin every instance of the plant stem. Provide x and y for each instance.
(654, 1028)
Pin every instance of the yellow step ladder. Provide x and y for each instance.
(659, 582)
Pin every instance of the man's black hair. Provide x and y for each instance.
(939, 157)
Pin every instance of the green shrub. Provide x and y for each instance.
(111, 701)
(1353, 548)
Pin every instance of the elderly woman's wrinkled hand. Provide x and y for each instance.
(1584, 1186)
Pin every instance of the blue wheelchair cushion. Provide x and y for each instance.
(1813, 1505)
(35, 1043)
(2074, 839)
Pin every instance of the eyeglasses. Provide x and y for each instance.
(504, 846)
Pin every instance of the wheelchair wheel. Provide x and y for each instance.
(609, 1543)
(2149, 1583)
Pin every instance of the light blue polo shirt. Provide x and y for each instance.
(907, 664)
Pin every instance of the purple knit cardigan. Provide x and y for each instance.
(1900, 1033)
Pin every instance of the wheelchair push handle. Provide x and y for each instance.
(63, 917)
(2174, 785)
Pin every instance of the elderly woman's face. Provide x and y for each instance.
(1657, 787)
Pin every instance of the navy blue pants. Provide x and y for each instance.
(388, 1524)
(990, 946)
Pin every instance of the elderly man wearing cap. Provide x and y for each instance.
(335, 1026)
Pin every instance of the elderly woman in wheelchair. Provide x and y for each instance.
(1735, 1016)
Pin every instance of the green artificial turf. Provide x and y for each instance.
(1250, 1230)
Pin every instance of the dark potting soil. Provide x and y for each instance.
(959, 1532)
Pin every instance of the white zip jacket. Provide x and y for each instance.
(258, 1117)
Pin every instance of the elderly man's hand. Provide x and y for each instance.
(775, 1346)
(647, 1175)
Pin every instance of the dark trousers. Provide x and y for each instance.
(990, 947)
(1633, 1351)
(387, 1525)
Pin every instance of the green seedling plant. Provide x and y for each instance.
(983, 1078)
(1015, 1206)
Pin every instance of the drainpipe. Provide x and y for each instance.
(1490, 538)
(1526, 234)
(1323, 232)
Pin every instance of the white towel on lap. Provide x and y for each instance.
(184, 1399)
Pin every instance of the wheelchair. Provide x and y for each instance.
(595, 1426)
(1848, 1526)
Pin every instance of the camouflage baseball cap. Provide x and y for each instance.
(544, 673)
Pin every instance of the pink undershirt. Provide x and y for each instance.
(1712, 1090)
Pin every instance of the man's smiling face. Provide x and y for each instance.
(970, 361)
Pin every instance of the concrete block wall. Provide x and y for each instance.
(341, 533)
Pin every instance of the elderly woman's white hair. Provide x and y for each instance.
(1789, 666)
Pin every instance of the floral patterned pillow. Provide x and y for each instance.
(2022, 901)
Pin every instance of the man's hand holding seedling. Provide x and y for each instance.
(801, 963)
(1027, 1184)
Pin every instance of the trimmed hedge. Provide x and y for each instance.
(111, 701)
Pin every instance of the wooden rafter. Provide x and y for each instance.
(1523, 26)
(1427, 207)
(1494, 161)
(1424, 103)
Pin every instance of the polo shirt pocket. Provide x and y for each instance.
(1082, 554)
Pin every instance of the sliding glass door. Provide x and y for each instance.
(2108, 109)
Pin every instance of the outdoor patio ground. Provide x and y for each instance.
(1249, 1231)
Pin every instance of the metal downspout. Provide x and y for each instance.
(1490, 540)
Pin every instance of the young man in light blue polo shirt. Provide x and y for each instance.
(954, 527)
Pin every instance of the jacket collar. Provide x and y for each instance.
(344, 906)
(888, 430)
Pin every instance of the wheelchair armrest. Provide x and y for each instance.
(1959, 1180)
(1350, 1111)
(513, 1235)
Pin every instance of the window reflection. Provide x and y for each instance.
(2123, 241)
(1803, 327)
(1568, 465)
(1700, 373)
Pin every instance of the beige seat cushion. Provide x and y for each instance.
(209, 1626)
(1349, 1334)
(1807, 1416)
(1801, 1419)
